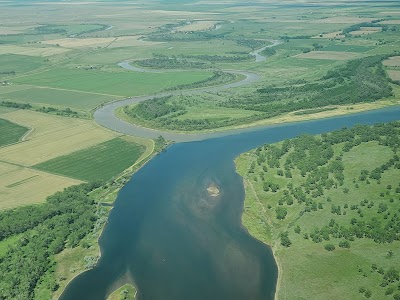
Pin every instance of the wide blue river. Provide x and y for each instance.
(173, 240)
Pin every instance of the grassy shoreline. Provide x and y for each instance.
(282, 119)
(361, 263)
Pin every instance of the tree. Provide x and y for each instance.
(281, 213)
(344, 244)
(285, 241)
(329, 247)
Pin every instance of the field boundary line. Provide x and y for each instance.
(144, 156)
(68, 90)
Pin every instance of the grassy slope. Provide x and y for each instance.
(10, 132)
(307, 270)
(102, 161)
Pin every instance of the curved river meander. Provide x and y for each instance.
(175, 241)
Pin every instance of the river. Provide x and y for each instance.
(172, 239)
(175, 241)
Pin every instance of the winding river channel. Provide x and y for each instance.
(170, 237)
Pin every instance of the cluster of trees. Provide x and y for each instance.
(360, 80)
(7, 73)
(313, 158)
(154, 108)
(218, 77)
(15, 105)
(251, 43)
(63, 29)
(221, 58)
(375, 23)
(63, 221)
(165, 62)
(166, 36)
(268, 52)
(61, 112)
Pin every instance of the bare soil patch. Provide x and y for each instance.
(395, 75)
(393, 61)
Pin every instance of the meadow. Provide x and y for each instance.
(312, 199)
(95, 163)
(11, 132)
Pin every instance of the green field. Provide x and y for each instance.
(342, 189)
(100, 162)
(18, 64)
(10, 132)
(58, 98)
(118, 83)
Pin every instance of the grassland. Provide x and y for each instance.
(291, 206)
(112, 83)
(81, 101)
(11, 132)
(95, 163)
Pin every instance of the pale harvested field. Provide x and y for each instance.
(393, 61)
(395, 75)
(176, 13)
(390, 12)
(197, 26)
(367, 30)
(22, 186)
(13, 29)
(391, 22)
(31, 51)
(80, 43)
(342, 20)
(330, 55)
(330, 35)
(52, 136)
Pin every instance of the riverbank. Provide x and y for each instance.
(314, 260)
(295, 116)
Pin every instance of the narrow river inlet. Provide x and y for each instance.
(174, 239)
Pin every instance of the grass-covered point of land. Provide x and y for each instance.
(125, 292)
(99, 162)
(10, 132)
(329, 206)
